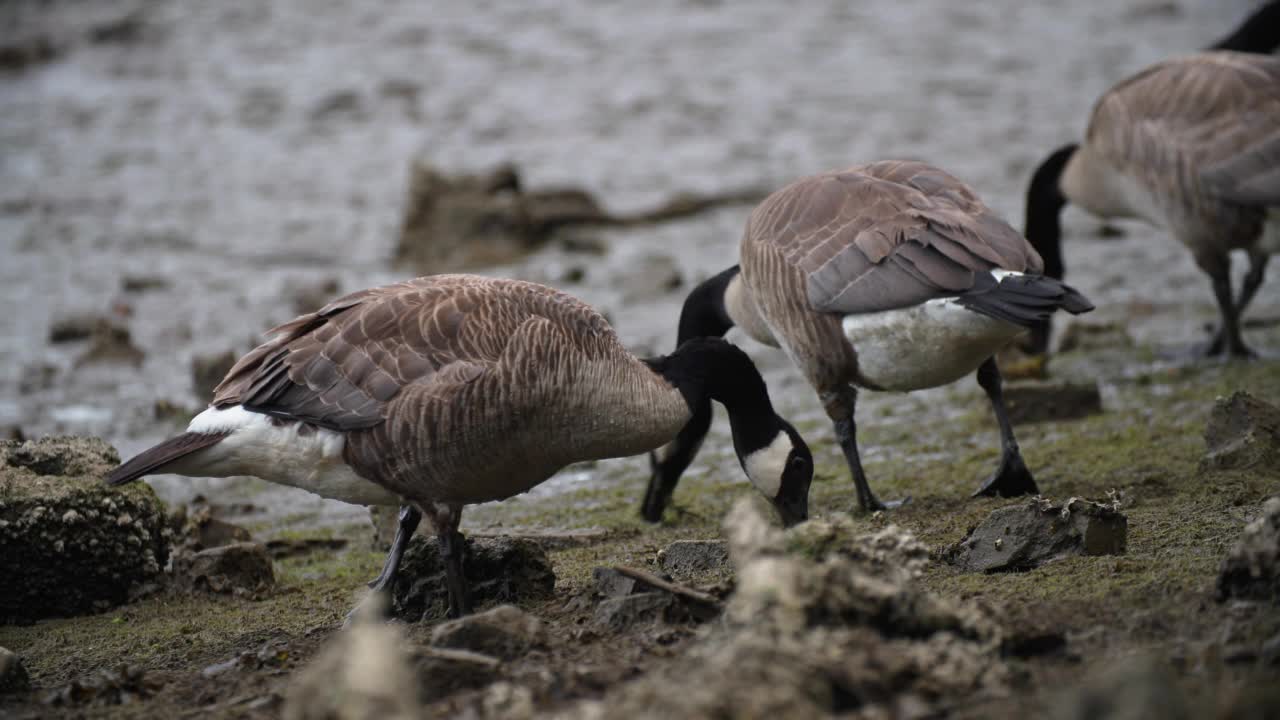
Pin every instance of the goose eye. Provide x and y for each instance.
(797, 462)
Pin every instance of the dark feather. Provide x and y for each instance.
(154, 459)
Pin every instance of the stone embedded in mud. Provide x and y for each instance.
(505, 632)
(1243, 432)
(363, 674)
(243, 569)
(1051, 401)
(609, 583)
(1251, 568)
(819, 626)
(208, 370)
(498, 570)
(1134, 690)
(622, 613)
(693, 560)
(13, 674)
(441, 671)
(1023, 536)
(69, 544)
(118, 685)
(110, 343)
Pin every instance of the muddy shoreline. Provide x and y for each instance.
(193, 175)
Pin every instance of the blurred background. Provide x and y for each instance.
(177, 177)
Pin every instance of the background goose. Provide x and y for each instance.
(1192, 145)
(444, 391)
(887, 276)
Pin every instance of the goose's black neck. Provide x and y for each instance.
(711, 368)
(1044, 209)
(1259, 33)
(704, 313)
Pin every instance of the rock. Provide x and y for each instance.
(618, 614)
(243, 569)
(815, 630)
(694, 560)
(78, 545)
(1134, 690)
(441, 671)
(505, 632)
(1087, 335)
(1023, 536)
(143, 283)
(1243, 432)
(110, 343)
(311, 296)
(200, 530)
(13, 674)
(74, 328)
(498, 570)
(208, 370)
(649, 276)
(16, 54)
(462, 222)
(1051, 401)
(1251, 568)
(363, 674)
(117, 685)
(610, 583)
(1270, 652)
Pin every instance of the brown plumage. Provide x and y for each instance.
(449, 390)
(1191, 144)
(889, 276)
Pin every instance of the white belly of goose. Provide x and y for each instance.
(285, 453)
(924, 346)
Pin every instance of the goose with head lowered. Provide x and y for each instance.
(1191, 145)
(888, 276)
(449, 390)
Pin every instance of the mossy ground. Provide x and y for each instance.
(1155, 600)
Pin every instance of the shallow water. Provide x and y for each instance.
(241, 150)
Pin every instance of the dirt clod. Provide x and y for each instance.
(1243, 432)
(609, 583)
(1051, 401)
(619, 614)
(695, 560)
(13, 674)
(78, 545)
(1023, 536)
(1251, 568)
(498, 570)
(364, 674)
(505, 632)
(241, 568)
(814, 629)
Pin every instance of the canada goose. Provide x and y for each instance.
(887, 276)
(1192, 145)
(449, 390)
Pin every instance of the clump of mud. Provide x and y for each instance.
(498, 570)
(1252, 568)
(822, 621)
(69, 544)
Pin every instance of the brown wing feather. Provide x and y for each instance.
(341, 366)
(886, 235)
(1206, 123)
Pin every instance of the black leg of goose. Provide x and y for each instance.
(847, 436)
(409, 519)
(1012, 478)
(1232, 344)
(1252, 281)
(452, 549)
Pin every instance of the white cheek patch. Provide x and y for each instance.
(764, 466)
